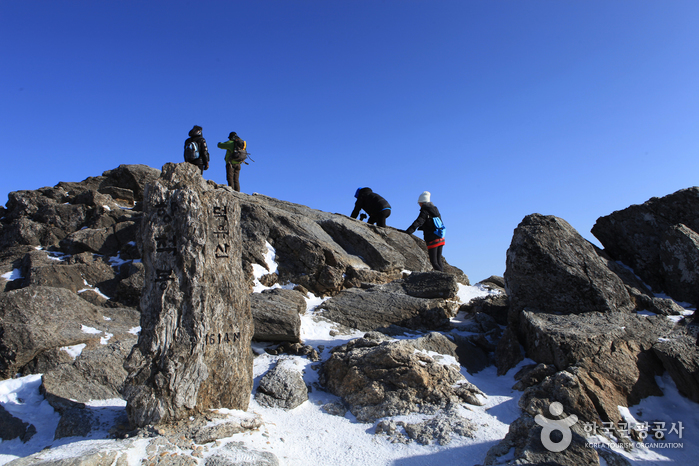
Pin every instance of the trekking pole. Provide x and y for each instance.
(248, 154)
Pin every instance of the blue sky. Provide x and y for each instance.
(500, 108)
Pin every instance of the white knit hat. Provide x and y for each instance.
(424, 197)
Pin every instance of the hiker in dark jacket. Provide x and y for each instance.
(376, 206)
(203, 161)
(234, 148)
(424, 222)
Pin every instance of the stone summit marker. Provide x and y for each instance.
(193, 352)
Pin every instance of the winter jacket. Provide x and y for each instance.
(424, 222)
(203, 149)
(232, 146)
(371, 202)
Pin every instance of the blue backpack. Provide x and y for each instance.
(440, 229)
(191, 152)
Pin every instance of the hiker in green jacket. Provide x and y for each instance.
(235, 157)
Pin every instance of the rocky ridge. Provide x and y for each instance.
(74, 305)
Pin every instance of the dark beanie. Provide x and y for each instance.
(232, 135)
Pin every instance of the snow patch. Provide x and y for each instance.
(75, 350)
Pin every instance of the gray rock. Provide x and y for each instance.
(77, 421)
(679, 256)
(193, 352)
(496, 306)
(120, 195)
(364, 278)
(385, 305)
(431, 285)
(533, 374)
(97, 374)
(680, 357)
(435, 342)
(76, 276)
(208, 434)
(440, 429)
(524, 437)
(131, 177)
(634, 235)
(612, 351)
(282, 387)
(237, 454)
(326, 252)
(42, 217)
(37, 319)
(471, 356)
(335, 408)
(276, 313)
(508, 352)
(98, 241)
(130, 285)
(12, 427)
(378, 379)
(552, 269)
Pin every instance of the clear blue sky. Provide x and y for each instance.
(500, 108)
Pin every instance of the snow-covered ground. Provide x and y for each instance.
(308, 435)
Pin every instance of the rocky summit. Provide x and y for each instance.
(186, 301)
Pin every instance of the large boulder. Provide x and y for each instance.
(193, 352)
(96, 374)
(389, 378)
(551, 268)
(614, 349)
(128, 177)
(635, 235)
(79, 274)
(431, 285)
(39, 319)
(385, 305)
(282, 387)
(326, 252)
(523, 445)
(276, 313)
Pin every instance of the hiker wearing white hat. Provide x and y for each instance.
(430, 222)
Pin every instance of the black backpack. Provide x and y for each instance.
(191, 152)
(240, 153)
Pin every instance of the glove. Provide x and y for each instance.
(362, 216)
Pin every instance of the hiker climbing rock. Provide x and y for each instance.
(376, 206)
(195, 150)
(236, 154)
(430, 222)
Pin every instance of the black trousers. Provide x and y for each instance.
(380, 220)
(233, 175)
(436, 258)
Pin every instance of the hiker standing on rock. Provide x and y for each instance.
(195, 150)
(235, 156)
(430, 222)
(376, 206)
